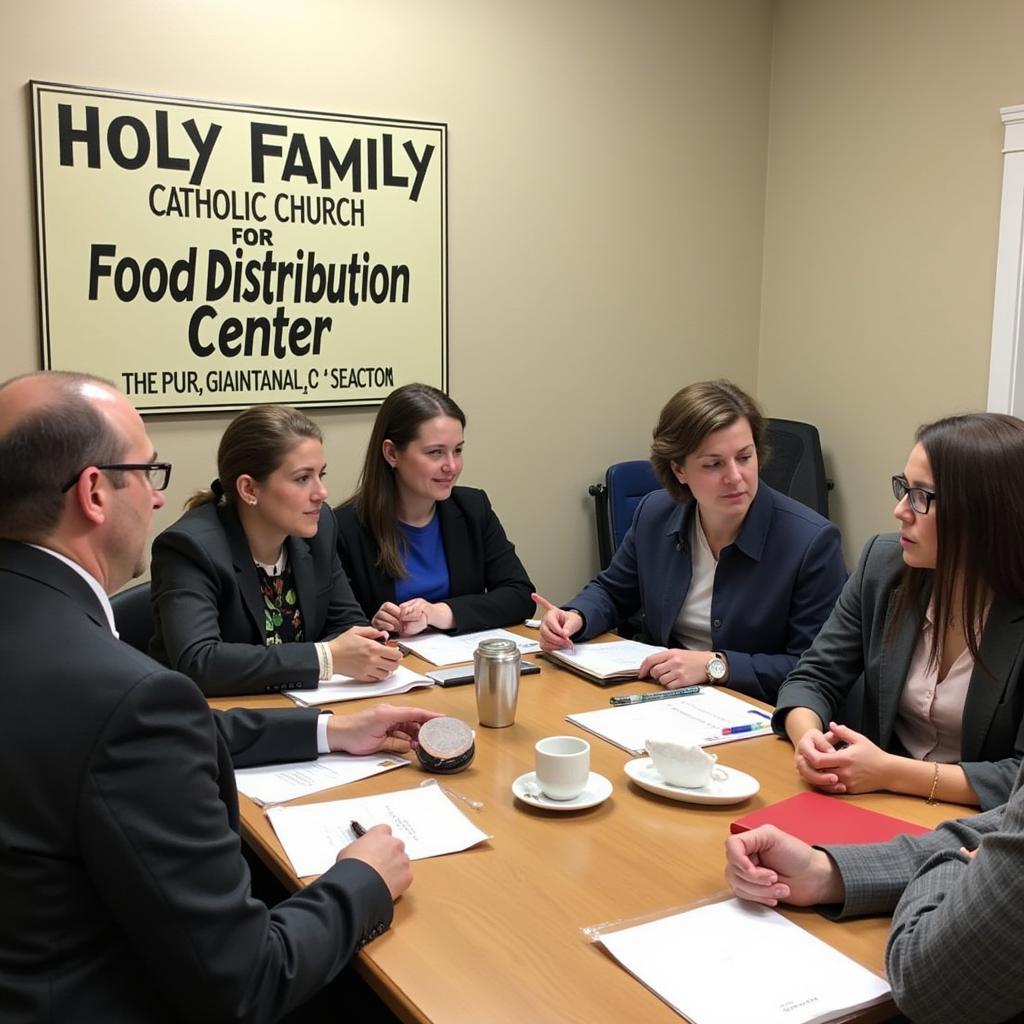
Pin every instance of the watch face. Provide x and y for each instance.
(716, 669)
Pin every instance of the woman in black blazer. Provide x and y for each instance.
(248, 592)
(419, 551)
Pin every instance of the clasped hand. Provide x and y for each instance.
(412, 616)
(842, 761)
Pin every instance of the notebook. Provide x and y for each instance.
(605, 663)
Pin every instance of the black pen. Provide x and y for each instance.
(643, 698)
(357, 830)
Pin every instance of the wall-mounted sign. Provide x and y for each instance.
(212, 256)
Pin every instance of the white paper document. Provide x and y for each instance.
(619, 659)
(424, 818)
(276, 783)
(441, 649)
(731, 961)
(339, 688)
(699, 718)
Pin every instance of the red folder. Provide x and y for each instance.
(821, 820)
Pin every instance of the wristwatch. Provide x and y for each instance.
(717, 668)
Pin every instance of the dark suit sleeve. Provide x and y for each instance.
(992, 781)
(954, 947)
(189, 591)
(819, 583)
(171, 871)
(505, 598)
(265, 737)
(614, 594)
(828, 670)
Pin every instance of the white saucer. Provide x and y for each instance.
(736, 785)
(596, 791)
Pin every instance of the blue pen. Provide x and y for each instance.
(763, 714)
(732, 730)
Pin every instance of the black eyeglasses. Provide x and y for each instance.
(157, 473)
(919, 498)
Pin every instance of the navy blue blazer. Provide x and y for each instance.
(774, 587)
(210, 619)
(488, 586)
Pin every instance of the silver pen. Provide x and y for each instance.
(643, 698)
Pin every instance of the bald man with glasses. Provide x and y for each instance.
(124, 892)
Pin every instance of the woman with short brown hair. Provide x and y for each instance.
(733, 578)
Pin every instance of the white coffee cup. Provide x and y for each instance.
(684, 764)
(562, 766)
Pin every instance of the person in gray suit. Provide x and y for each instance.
(957, 935)
(934, 620)
(124, 891)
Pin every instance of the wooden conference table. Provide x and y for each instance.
(494, 934)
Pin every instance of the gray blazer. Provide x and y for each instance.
(852, 642)
(957, 935)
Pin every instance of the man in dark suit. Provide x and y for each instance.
(124, 892)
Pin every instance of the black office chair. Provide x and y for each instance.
(133, 615)
(796, 467)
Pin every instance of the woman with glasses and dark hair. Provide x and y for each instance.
(419, 551)
(248, 592)
(733, 578)
(933, 618)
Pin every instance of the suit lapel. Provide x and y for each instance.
(301, 561)
(680, 575)
(1001, 651)
(894, 663)
(245, 571)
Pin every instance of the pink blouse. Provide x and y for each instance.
(929, 722)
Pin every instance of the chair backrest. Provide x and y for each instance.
(796, 466)
(625, 483)
(133, 615)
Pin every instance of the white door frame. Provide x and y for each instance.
(1006, 364)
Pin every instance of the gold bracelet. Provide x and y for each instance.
(935, 784)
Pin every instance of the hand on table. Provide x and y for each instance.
(843, 761)
(767, 865)
(558, 626)
(386, 855)
(382, 728)
(359, 653)
(676, 667)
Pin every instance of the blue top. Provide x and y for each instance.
(425, 563)
(774, 587)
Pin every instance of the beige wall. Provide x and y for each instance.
(881, 221)
(606, 188)
(609, 206)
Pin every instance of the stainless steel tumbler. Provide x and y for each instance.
(496, 675)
